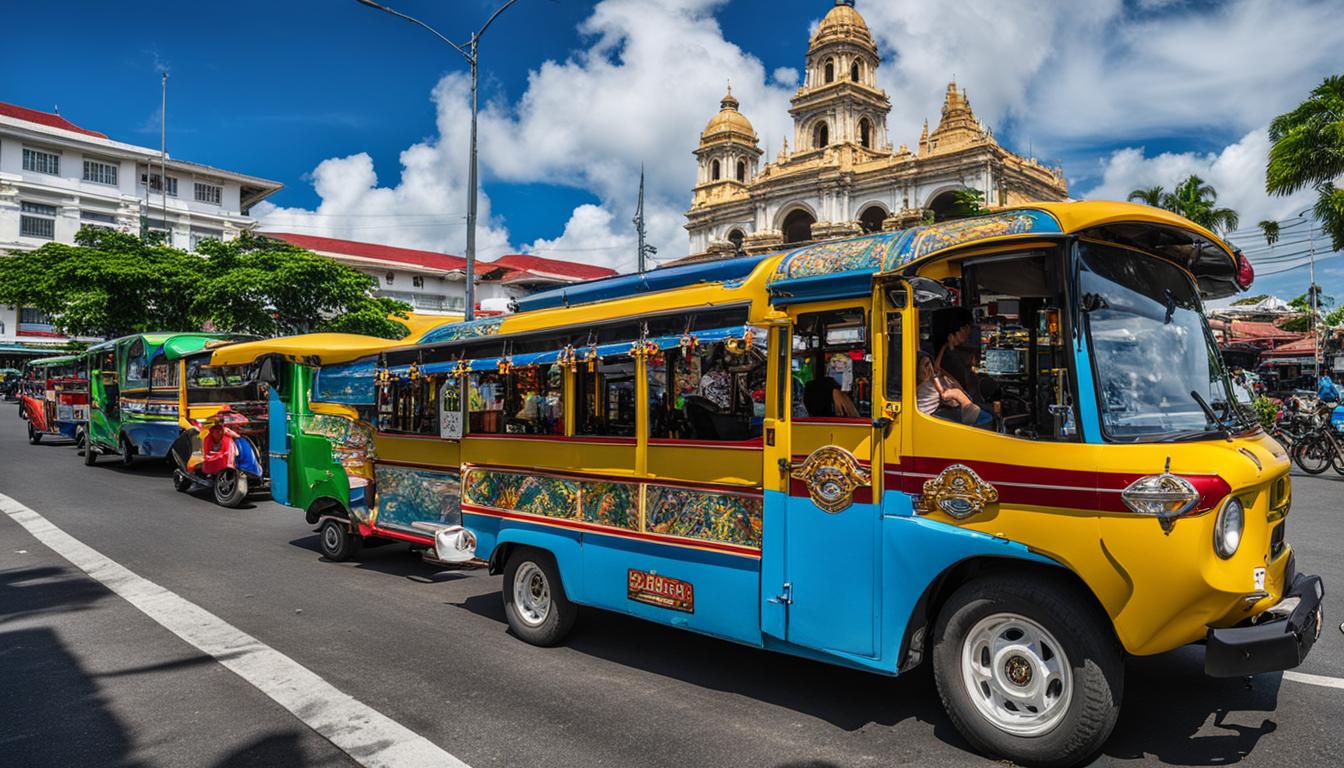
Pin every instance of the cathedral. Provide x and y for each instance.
(840, 175)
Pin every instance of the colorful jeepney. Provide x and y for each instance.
(135, 393)
(320, 402)
(1005, 445)
(54, 398)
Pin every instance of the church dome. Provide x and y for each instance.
(728, 121)
(843, 23)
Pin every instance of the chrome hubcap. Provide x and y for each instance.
(331, 537)
(224, 483)
(1017, 674)
(531, 594)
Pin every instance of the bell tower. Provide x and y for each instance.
(728, 153)
(839, 101)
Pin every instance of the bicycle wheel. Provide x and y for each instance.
(1313, 454)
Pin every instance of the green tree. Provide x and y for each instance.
(1308, 150)
(107, 284)
(1249, 300)
(1154, 196)
(967, 202)
(1270, 229)
(255, 284)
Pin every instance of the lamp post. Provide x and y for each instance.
(1311, 294)
(468, 51)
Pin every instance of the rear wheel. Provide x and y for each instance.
(230, 488)
(181, 482)
(1313, 454)
(127, 451)
(534, 598)
(34, 436)
(338, 542)
(1027, 671)
(90, 453)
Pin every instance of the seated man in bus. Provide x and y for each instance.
(938, 395)
(823, 397)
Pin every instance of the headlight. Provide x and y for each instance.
(1228, 527)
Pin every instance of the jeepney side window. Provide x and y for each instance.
(892, 385)
(714, 392)
(137, 366)
(163, 374)
(605, 396)
(528, 400)
(415, 406)
(832, 365)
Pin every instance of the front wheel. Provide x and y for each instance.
(181, 482)
(338, 542)
(1027, 670)
(534, 598)
(90, 453)
(230, 488)
(127, 451)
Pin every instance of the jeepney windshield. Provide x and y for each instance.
(1159, 375)
(222, 383)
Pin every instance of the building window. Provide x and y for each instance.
(37, 220)
(155, 183)
(741, 171)
(736, 237)
(30, 316)
(389, 277)
(855, 72)
(871, 218)
(100, 173)
(209, 193)
(199, 235)
(714, 171)
(830, 70)
(821, 135)
(41, 162)
(417, 281)
(866, 133)
(96, 219)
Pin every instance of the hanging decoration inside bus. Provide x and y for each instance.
(831, 475)
(409, 495)
(649, 587)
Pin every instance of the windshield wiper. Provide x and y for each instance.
(1208, 411)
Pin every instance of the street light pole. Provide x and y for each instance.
(468, 53)
(1311, 293)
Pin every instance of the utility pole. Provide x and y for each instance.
(639, 222)
(163, 157)
(1315, 337)
(469, 53)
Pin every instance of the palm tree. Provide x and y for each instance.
(1308, 149)
(1154, 196)
(1271, 230)
(1198, 202)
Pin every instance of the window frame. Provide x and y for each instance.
(29, 213)
(112, 169)
(863, 307)
(51, 165)
(216, 198)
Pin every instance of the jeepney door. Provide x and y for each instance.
(822, 531)
(277, 433)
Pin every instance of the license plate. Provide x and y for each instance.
(646, 587)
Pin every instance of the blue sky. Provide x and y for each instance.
(363, 116)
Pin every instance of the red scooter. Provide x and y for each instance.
(216, 455)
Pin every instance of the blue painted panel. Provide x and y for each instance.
(278, 436)
(563, 544)
(725, 586)
(1089, 409)
(831, 559)
(347, 383)
(774, 536)
(247, 460)
(649, 282)
(821, 287)
(152, 439)
(68, 428)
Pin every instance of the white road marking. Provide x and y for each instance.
(368, 736)
(1321, 680)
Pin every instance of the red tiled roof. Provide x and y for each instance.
(551, 268)
(1302, 346)
(48, 119)
(1249, 329)
(429, 259)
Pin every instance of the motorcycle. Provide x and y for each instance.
(216, 455)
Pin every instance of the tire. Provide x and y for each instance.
(230, 488)
(1063, 637)
(34, 436)
(79, 440)
(1312, 454)
(127, 451)
(90, 453)
(337, 541)
(535, 603)
(181, 482)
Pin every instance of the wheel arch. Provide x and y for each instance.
(914, 642)
(325, 506)
(562, 549)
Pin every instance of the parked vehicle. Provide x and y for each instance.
(759, 449)
(135, 393)
(224, 437)
(54, 398)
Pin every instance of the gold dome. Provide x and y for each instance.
(728, 120)
(842, 23)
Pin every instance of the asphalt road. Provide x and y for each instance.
(87, 679)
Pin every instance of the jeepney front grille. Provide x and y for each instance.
(1276, 541)
(1280, 498)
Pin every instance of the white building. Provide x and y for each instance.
(435, 283)
(56, 177)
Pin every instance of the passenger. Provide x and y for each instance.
(951, 329)
(937, 395)
(716, 384)
(823, 397)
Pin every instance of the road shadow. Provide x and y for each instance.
(277, 749)
(43, 590)
(394, 558)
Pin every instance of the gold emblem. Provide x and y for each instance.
(957, 491)
(831, 474)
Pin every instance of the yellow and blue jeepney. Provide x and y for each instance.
(1004, 444)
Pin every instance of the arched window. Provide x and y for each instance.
(866, 133)
(830, 70)
(714, 171)
(798, 227)
(871, 218)
(735, 237)
(741, 171)
(821, 135)
(855, 72)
